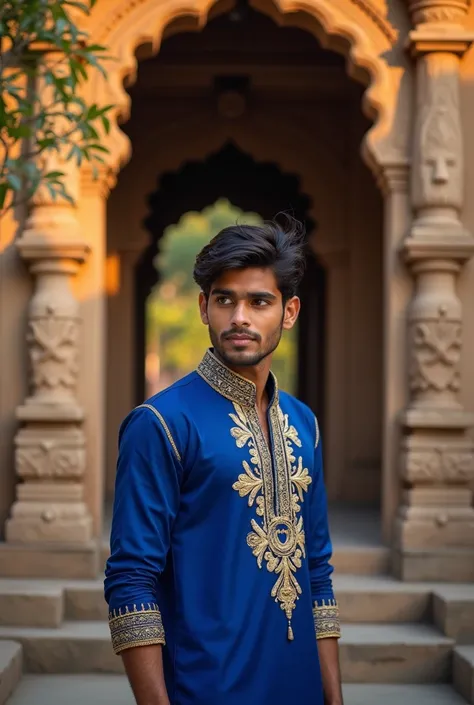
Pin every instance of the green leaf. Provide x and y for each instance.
(20, 131)
(14, 181)
(98, 148)
(3, 194)
(92, 112)
(106, 124)
(52, 191)
(80, 5)
(54, 175)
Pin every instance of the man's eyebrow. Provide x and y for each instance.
(248, 295)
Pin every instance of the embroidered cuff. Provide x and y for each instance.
(326, 619)
(136, 627)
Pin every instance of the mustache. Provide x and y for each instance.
(237, 331)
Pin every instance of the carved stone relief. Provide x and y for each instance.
(433, 11)
(439, 464)
(438, 145)
(53, 351)
(50, 459)
(436, 353)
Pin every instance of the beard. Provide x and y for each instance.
(245, 358)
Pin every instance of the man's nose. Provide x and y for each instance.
(240, 317)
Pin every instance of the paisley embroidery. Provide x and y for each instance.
(274, 481)
(276, 487)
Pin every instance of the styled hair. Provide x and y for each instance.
(275, 245)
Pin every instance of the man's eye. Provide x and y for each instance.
(224, 300)
(260, 302)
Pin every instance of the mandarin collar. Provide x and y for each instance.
(232, 385)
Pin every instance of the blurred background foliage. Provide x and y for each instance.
(176, 338)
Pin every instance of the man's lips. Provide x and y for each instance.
(240, 338)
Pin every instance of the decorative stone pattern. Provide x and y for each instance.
(50, 459)
(435, 354)
(50, 454)
(437, 455)
(438, 11)
(438, 149)
(111, 22)
(52, 343)
(438, 463)
(378, 18)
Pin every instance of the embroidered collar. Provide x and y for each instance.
(230, 384)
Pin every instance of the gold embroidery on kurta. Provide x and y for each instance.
(136, 627)
(326, 620)
(277, 486)
(165, 427)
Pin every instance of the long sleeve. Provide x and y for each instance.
(325, 608)
(147, 493)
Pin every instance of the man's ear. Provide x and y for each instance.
(203, 308)
(292, 310)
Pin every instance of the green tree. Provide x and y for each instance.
(183, 241)
(174, 327)
(45, 58)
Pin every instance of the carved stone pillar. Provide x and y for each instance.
(50, 454)
(435, 525)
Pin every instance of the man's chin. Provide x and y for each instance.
(240, 358)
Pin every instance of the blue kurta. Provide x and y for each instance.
(220, 546)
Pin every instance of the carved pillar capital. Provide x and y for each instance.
(435, 12)
(394, 178)
(50, 454)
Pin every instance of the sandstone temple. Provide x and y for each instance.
(358, 114)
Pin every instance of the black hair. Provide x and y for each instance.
(281, 247)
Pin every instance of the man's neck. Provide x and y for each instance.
(258, 374)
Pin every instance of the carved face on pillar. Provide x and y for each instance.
(438, 144)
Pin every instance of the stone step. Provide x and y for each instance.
(453, 611)
(31, 603)
(11, 666)
(403, 653)
(361, 560)
(397, 694)
(85, 601)
(379, 599)
(395, 653)
(114, 690)
(375, 599)
(361, 599)
(463, 672)
(74, 647)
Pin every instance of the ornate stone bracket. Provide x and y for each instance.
(50, 456)
(435, 525)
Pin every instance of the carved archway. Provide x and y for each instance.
(358, 29)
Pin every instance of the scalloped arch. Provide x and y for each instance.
(346, 28)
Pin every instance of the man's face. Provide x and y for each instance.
(246, 316)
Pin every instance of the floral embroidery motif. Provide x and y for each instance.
(277, 488)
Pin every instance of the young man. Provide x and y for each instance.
(219, 582)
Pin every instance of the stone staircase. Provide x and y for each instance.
(402, 642)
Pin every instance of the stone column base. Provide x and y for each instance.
(48, 512)
(37, 560)
(448, 565)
